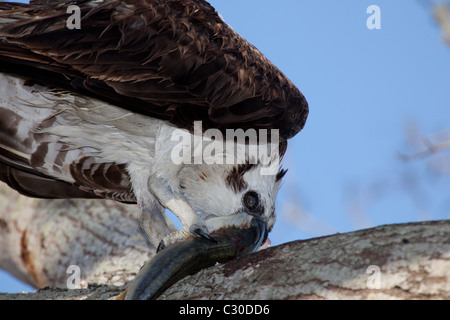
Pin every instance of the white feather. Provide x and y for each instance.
(82, 126)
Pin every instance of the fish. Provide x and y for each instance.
(188, 257)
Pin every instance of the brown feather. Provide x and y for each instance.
(174, 60)
(36, 184)
(108, 180)
(235, 178)
(169, 59)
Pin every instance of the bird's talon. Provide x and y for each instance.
(194, 230)
(161, 246)
(200, 232)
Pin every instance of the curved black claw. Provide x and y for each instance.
(203, 234)
(161, 246)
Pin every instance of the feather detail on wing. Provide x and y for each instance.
(38, 163)
(173, 60)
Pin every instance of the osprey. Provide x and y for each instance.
(90, 111)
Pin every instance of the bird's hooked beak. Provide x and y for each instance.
(260, 226)
(190, 256)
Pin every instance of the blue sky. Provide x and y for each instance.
(368, 90)
(365, 88)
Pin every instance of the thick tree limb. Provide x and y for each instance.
(40, 239)
(413, 260)
(402, 261)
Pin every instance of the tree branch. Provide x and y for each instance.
(413, 260)
(401, 261)
(40, 239)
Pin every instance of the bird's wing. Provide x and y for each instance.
(173, 60)
(93, 182)
(43, 166)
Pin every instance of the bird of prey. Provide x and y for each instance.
(89, 110)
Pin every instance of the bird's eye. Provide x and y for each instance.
(251, 200)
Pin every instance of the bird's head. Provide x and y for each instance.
(227, 190)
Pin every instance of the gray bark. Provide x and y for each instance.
(40, 239)
(402, 261)
(413, 261)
